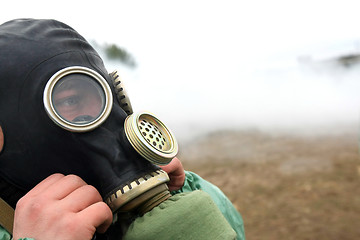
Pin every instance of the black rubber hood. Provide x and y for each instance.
(31, 51)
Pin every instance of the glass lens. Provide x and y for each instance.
(78, 99)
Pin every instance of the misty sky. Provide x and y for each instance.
(203, 64)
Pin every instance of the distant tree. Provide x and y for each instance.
(114, 52)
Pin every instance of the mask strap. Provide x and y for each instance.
(6, 216)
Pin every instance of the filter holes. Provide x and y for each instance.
(154, 134)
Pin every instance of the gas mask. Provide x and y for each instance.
(79, 99)
(61, 112)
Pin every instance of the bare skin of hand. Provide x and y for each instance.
(61, 207)
(176, 172)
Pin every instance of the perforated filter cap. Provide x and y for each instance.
(151, 138)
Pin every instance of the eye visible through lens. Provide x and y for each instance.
(78, 98)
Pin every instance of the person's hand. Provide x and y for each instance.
(176, 172)
(61, 207)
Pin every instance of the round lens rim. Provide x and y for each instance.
(59, 120)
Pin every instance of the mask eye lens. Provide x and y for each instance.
(78, 99)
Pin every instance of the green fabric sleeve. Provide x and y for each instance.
(195, 182)
(4, 235)
(190, 215)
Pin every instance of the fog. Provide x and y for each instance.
(291, 95)
(204, 66)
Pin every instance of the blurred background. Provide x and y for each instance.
(263, 97)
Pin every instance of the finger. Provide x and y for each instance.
(98, 215)
(66, 185)
(176, 182)
(176, 172)
(170, 166)
(174, 167)
(45, 184)
(82, 198)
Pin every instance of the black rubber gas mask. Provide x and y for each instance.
(79, 99)
(61, 112)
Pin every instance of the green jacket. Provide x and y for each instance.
(192, 183)
(195, 182)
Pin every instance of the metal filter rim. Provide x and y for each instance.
(142, 146)
(50, 109)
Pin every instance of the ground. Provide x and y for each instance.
(285, 186)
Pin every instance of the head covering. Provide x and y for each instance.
(32, 52)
